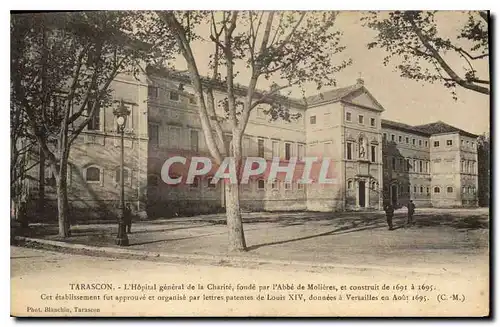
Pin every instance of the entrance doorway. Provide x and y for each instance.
(394, 194)
(362, 193)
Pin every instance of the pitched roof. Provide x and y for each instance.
(403, 127)
(239, 89)
(440, 127)
(328, 96)
(332, 95)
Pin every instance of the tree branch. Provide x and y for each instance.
(267, 31)
(484, 15)
(230, 68)
(267, 96)
(183, 43)
(460, 81)
(292, 32)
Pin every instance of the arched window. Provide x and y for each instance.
(93, 174)
(261, 184)
(349, 185)
(469, 190)
(374, 185)
(449, 189)
(421, 189)
(437, 189)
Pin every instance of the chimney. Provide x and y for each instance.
(274, 86)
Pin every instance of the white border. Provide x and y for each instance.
(200, 4)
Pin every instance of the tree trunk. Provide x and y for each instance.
(68, 211)
(62, 209)
(233, 216)
(41, 184)
(62, 195)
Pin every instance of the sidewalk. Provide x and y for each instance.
(451, 241)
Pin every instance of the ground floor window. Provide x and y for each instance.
(209, 182)
(126, 175)
(93, 174)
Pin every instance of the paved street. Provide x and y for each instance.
(39, 273)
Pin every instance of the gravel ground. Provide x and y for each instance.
(441, 239)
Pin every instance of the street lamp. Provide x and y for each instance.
(121, 113)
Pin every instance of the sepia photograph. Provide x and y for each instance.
(250, 163)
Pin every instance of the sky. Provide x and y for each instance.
(404, 100)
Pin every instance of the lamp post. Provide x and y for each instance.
(121, 113)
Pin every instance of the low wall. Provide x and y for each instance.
(177, 208)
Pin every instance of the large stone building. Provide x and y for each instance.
(374, 160)
(433, 164)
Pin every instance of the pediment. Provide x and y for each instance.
(363, 98)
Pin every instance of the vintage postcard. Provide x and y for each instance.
(250, 164)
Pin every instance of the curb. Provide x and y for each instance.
(231, 258)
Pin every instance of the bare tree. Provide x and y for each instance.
(290, 48)
(61, 70)
(414, 38)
